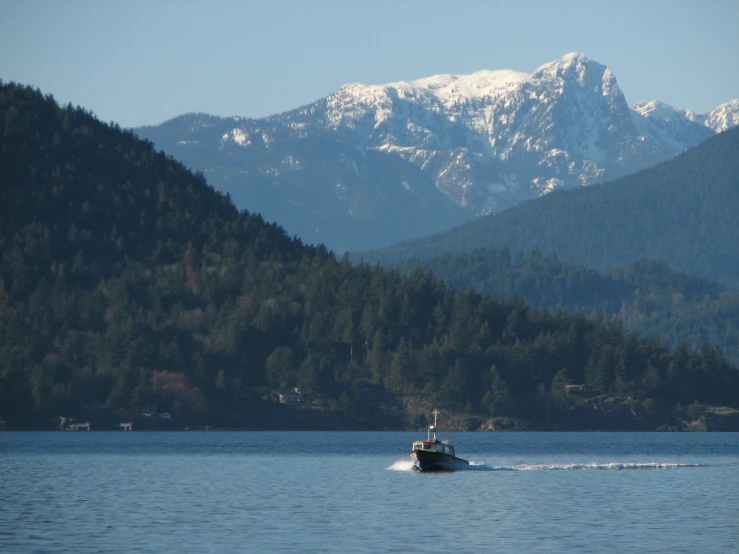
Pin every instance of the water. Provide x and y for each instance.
(354, 492)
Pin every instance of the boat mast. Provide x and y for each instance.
(433, 427)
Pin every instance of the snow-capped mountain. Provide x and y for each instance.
(724, 117)
(374, 164)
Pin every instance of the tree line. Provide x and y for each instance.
(645, 296)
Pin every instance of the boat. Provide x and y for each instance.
(434, 454)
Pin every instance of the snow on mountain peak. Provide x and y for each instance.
(572, 64)
(451, 90)
(724, 117)
(485, 83)
(447, 89)
(662, 111)
(573, 58)
(451, 122)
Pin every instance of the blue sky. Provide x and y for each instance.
(142, 62)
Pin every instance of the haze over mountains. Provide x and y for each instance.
(369, 166)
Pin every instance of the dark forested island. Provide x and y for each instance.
(132, 291)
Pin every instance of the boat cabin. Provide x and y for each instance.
(442, 447)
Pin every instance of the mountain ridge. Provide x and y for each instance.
(485, 141)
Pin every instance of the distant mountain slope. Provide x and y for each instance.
(318, 187)
(683, 212)
(646, 297)
(371, 165)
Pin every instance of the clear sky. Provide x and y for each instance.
(142, 62)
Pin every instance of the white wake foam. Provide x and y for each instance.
(478, 466)
(604, 466)
(401, 465)
(407, 465)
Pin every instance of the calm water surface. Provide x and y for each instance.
(353, 492)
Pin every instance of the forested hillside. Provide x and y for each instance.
(646, 297)
(682, 212)
(128, 284)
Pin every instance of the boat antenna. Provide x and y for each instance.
(433, 427)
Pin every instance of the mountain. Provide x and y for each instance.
(130, 287)
(368, 166)
(318, 187)
(682, 212)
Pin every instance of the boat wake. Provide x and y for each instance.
(407, 465)
(401, 465)
(605, 466)
(480, 466)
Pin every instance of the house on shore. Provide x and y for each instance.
(287, 397)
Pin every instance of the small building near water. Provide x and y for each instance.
(287, 397)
